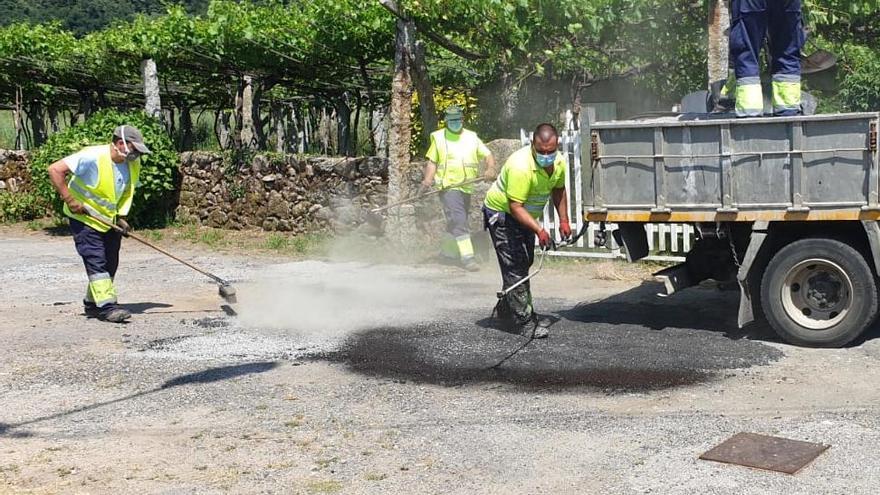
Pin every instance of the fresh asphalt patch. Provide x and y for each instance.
(610, 357)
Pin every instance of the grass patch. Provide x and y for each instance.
(277, 242)
(375, 476)
(211, 237)
(155, 235)
(326, 486)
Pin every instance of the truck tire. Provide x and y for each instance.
(818, 293)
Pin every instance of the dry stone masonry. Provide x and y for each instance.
(280, 192)
(15, 175)
(286, 193)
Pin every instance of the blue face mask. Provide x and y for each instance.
(545, 161)
(454, 125)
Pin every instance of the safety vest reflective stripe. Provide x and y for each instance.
(749, 98)
(534, 208)
(76, 185)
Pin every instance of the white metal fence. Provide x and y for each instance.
(666, 241)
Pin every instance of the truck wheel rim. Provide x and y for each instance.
(817, 294)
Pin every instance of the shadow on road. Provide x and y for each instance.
(700, 308)
(201, 377)
(141, 308)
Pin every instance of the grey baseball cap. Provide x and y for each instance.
(133, 136)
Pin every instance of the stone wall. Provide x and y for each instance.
(15, 175)
(284, 193)
(302, 194)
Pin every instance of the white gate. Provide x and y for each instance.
(666, 241)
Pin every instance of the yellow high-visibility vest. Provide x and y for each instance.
(101, 198)
(457, 157)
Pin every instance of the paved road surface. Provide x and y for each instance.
(341, 377)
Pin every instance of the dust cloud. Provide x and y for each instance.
(337, 298)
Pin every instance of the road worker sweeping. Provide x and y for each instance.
(99, 194)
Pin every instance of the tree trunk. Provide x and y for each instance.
(717, 51)
(237, 142)
(343, 126)
(291, 128)
(150, 76)
(86, 104)
(38, 123)
(18, 119)
(278, 121)
(186, 127)
(170, 120)
(355, 133)
(222, 128)
(400, 133)
(324, 128)
(379, 131)
(53, 119)
(308, 129)
(509, 95)
(249, 137)
(423, 86)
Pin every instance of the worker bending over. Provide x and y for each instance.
(453, 158)
(751, 22)
(101, 186)
(528, 179)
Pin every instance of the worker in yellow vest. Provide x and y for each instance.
(529, 178)
(453, 158)
(101, 186)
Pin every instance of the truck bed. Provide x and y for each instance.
(705, 168)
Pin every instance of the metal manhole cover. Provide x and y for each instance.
(765, 452)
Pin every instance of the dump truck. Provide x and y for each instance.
(787, 207)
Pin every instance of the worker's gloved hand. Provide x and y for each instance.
(489, 175)
(544, 239)
(565, 230)
(122, 224)
(75, 206)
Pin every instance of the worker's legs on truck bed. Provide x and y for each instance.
(786, 41)
(748, 27)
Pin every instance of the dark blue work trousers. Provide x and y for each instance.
(99, 251)
(753, 20)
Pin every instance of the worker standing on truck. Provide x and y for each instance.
(101, 186)
(453, 158)
(751, 22)
(528, 179)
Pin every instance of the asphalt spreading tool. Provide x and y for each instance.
(377, 220)
(226, 290)
(553, 246)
